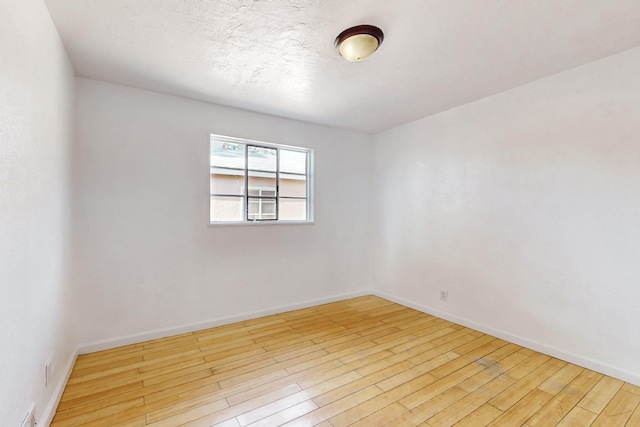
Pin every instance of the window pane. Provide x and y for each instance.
(262, 209)
(248, 179)
(262, 158)
(227, 181)
(262, 184)
(227, 154)
(293, 185)
(226, 208)
(293, 161)
(292, 209)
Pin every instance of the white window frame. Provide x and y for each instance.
(309, 182)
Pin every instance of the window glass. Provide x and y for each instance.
(293, 185)
(227, 155)
(256, 182)
(292, 210)
(227, 181)
(227, 208)
(262, 158)
(293, 161)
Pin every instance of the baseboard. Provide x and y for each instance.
(594, 365)
(50, 410)
(167, 332)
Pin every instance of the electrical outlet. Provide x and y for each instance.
(444, 295)
(30, 419)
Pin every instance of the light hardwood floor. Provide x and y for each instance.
(364, 361)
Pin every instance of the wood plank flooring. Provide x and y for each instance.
(361, 362)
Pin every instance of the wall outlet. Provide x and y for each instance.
(30, 419)
(444, 295)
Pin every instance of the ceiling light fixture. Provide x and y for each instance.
(358, 43)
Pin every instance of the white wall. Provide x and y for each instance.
(146, 258)
(36, 113)
(525, 206)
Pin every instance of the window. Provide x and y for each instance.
(259, 182)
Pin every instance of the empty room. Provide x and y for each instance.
(264, 213)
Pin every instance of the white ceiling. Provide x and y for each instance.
(278, 57)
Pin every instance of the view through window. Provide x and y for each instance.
(255, 182)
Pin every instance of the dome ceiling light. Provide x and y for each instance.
(358, 43)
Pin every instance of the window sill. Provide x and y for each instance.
(259, 223)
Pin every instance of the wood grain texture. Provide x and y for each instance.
(362, 362)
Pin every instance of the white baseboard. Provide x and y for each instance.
(594, 365)
(166, 332)
(50, 410)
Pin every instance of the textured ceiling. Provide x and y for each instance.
(278, 57)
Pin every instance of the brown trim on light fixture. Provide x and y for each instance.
(360, 29)
(356, 49)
